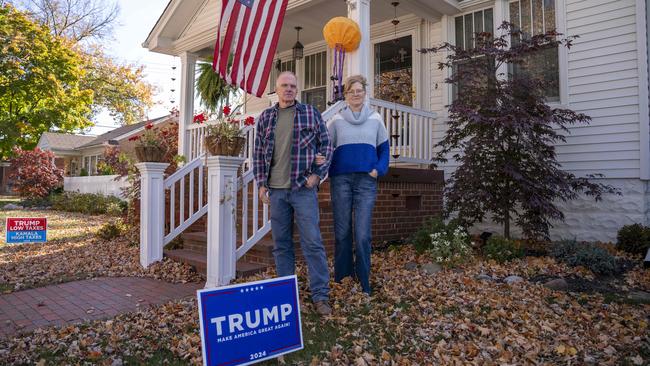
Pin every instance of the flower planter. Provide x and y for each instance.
(153, 154)
(217, 146)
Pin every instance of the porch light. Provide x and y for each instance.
(298, 47)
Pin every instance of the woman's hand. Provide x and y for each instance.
(320, 159)
(373, 173)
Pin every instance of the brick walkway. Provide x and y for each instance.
(77, 301)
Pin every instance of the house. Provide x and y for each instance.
(78, 155)
(604, 75)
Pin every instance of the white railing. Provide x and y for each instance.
(191, 206)
(259, 226)
(410, 131)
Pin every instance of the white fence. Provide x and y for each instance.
(104, 184)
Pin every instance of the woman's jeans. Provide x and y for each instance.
(353, 194)
(304, 204)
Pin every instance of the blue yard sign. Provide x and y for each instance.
(250, 322)
(26, 230)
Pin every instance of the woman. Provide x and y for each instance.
(361, 154)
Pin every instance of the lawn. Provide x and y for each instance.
(4, 200)
(462, 315)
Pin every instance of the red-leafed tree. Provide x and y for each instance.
(34, 173)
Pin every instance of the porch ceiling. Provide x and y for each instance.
(309, 14)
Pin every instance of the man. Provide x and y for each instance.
(289, 136)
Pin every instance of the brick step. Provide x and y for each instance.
(198, 241)
(199, 262)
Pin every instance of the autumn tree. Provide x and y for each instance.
(502, 133)
(34, 173)
(118, 87)
(40, 83)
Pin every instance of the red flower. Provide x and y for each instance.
(148, 126)
(134, 138)
(200, 118)
(249, 121)
(226, 110)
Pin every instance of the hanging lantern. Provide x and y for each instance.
(343, 35)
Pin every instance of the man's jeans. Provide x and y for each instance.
(304, 204)
(353, 192)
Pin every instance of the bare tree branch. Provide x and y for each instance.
(78, 20)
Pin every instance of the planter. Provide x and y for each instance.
(153, 154)
(216, 146)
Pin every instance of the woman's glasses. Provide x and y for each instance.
(355, 92)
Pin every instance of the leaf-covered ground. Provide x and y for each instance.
(413, 318)
(74, 252)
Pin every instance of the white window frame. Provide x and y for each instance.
(309, 49)
(563, 64)
(500, 13)
(405, 28)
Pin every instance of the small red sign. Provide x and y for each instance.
(26, 223)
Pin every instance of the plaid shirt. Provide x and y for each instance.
(310, 136)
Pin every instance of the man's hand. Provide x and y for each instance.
(264, 195)
(373, 173)
(312, 181)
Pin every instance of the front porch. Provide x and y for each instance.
(399, 90)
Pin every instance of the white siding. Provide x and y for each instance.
(603, 83)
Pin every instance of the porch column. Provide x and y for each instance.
(222, 204)
(186, 110)
(152, 211)
(359, 60)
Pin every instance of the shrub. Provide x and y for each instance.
(450, 247)
(502, 250)
(634, 239)
(422, 238)
(83, 172)
(111, 230)
(88, 203)
(34, 173)
(595, 258)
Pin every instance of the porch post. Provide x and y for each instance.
(186, 110)
(152, 211)
(359, 60)
(222, 204)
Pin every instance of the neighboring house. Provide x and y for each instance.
(5, 182)
(604, 75)
(78, 155)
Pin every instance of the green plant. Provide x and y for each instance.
(110, 230)
(88, 203)
(634, 239)
(502, 250)
(590, 256)
(422, 238)
(450, 246)
(115, 208)
(83, 172)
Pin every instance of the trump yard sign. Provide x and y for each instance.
(26, 230)
(250, 322)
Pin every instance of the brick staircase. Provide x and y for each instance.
(194, 253)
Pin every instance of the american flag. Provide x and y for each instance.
(251, 30)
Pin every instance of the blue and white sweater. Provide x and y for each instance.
(360, 143)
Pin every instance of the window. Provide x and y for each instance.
(466, 26)
(315, 89)
(279, 67)
(394, 70)
(469, 24)
(537, 17)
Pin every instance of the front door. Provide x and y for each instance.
(393, 70)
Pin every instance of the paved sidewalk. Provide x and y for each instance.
(77, 301)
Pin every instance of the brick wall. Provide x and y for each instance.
(405, 199)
